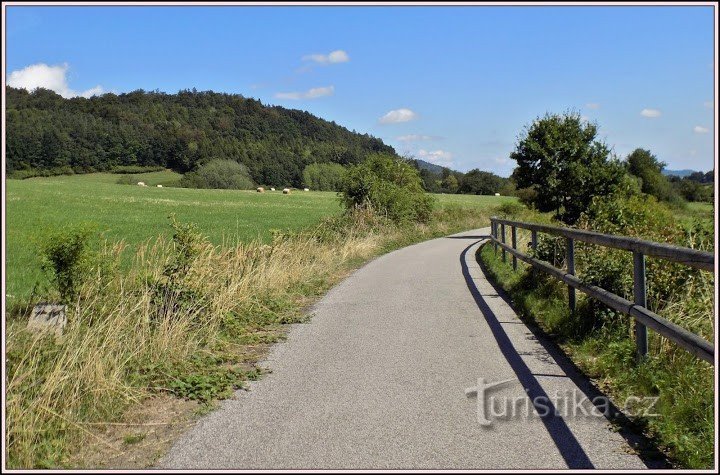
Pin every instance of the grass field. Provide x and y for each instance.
(141, 335)
(136, 214)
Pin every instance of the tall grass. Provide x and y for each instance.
(153, 328)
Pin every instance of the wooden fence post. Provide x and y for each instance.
(640, 298)
(502, 236)
(570, 258)
(513, 234)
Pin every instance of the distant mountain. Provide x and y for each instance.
(431, 167)
(680, 173)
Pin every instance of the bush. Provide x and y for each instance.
(324, 176)
(219, 174)
(68, 257)
(135, 169)
(389, 186)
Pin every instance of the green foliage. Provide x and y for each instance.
(450, 183)
(173, 291)
(478, 182)
(177, 131)
(390, 187)
(68, 257)
(135, 169)
(324, 176)
(644, 165)
(33, 172)
(566, 167)
(219, 174)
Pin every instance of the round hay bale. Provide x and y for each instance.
(306, 189)
(286, 191)
(261, 189)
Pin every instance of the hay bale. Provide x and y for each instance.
(159, 186)
(286, 191)
(261, 189)
(272, 189)
(497, 194)
(306, 189)
(141, 183)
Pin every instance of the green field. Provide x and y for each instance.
(135, 214)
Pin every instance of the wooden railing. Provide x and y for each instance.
(643, 317)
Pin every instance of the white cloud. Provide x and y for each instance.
(313, 93)
(398, 115)
(501, 160)
(708, 104)
(48, 77)
(414, 138)
(435, 156)
(651, 113)
(700, 130)
(592, 105)
(337, 56)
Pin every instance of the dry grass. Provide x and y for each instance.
(120, 345)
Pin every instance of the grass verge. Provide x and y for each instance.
(684, 425)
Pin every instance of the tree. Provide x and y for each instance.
(389, 186)
(478, 182)
(219, 174)
(644, 165)
(324, 176)
(450, 183)
(563, 166)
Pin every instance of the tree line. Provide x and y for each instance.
(182, 131)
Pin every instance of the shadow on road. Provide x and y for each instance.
(476, 238)
(564, 439)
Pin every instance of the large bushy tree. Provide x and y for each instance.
(477, 182)
(563, 165)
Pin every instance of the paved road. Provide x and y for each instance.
(378, 380)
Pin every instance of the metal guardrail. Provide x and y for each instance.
(640, 248)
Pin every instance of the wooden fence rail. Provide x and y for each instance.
(640, 248)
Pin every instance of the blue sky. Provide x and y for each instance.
(451, 85)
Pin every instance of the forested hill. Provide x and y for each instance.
(178, 131)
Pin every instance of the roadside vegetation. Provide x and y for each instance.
(634, 199)
(188, 318)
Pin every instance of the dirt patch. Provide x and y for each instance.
(147, 430)
(141, 437)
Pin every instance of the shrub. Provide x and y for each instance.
(68, 256)
(135, 169)
(324, 176)
(219, 174)
(389, 186)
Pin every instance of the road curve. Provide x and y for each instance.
(378, 380)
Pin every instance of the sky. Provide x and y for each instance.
(455, 86)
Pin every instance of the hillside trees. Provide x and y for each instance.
(47, 133)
